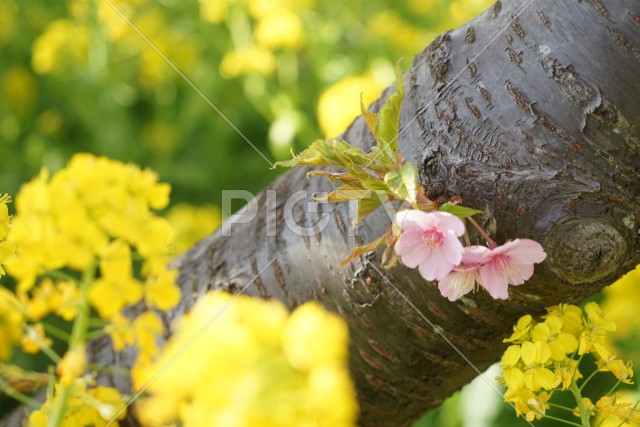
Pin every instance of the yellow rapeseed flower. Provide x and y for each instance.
(621, 302)
(246, 362)
(622, 371)
(214, 11)
(594, 335)
(95, 406)
(545, 356)
(339, 104)
(94, 211)
(117, 287)
(191, 223)
(6, 248)
(279, 28)
(72, 365)
(34, 339)
(11, 321)
(253, 59)
(53, 50)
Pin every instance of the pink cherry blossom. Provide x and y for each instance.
(429, 241)
(463, 278)
(509, 264)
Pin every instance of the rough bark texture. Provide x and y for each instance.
(531, 113)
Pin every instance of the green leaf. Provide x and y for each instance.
(370, 118)
(345, 193)
(457, 210)
(366, 206)
(334, 153)
(389, 119)
(384, 125)
(361, 250)
(341, 177)
(403, 183)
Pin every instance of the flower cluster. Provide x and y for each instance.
(546, 355)
(97, 406)
(85, 240)
(94, 209)
(256, 365)
(430, 241)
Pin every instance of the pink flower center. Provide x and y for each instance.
(501, 264)
(432, 238)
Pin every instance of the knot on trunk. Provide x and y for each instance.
(585, 250)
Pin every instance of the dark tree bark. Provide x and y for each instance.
(531, 113)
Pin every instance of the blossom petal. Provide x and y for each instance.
(435, 267)
(496, 284)
(524, 251)
(447, 221)
(518, 273)
(411, 249)
(452, 249)
(456, 284)
(415, 219)
(475, 254)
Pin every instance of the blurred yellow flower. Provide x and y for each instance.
(62, 45)
(67, 220)
(11, 321)
(339, 104)
(461, 11)
(117, 287)
(617, 409)
(259, 8)
(19, 89)
(72, 366)
(621, 302)
(8, 21)
(279, 28)
(389, 25)
(94, 406)
(214, 11)
(423, 7)
(190, 223)
(6, 248)
(251, 364)
(49, 121)
(34, 339)
(247, 60)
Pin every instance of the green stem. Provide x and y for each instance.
(48, 351)
(615, 386)
(108, 369)
(56, 332)
(77, 340)
(15, 394)
(584, 383)
(60, 275)
(560, 420)
(95, 334)
(584, 415)
(566, 408)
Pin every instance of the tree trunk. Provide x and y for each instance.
(531, 113)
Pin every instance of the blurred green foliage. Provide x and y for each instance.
(76, 76)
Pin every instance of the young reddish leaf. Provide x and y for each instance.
(361, 250)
